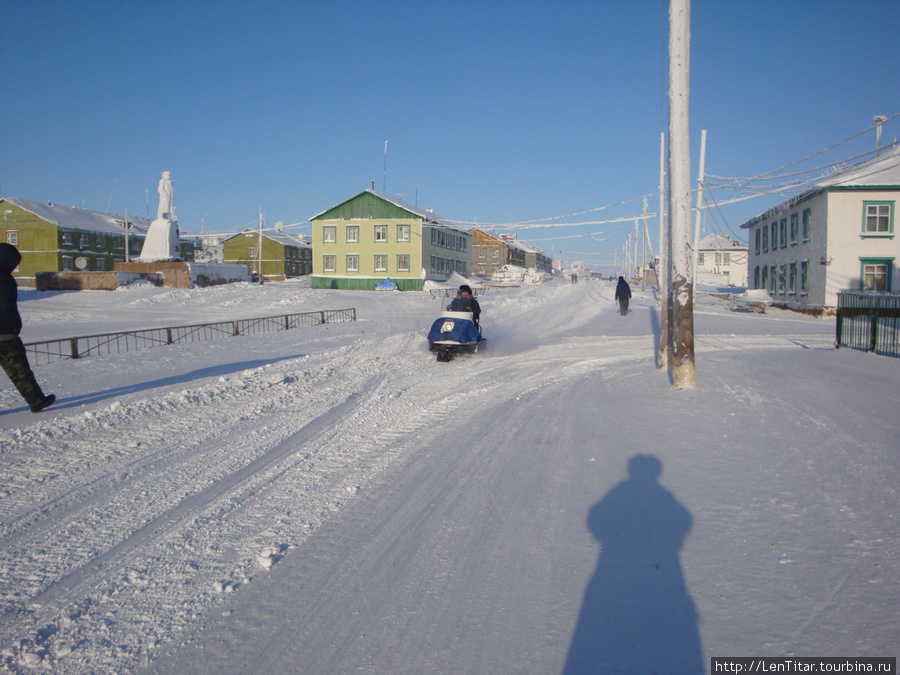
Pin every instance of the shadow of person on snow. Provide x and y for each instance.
(637, 616)
(184, 378)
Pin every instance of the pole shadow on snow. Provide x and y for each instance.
(201, 373)
(637, 616)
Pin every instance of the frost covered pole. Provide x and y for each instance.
(681, 286)
(699, 216)
(662, 270)
(259, 247)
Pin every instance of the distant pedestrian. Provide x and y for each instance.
(623, 295)
(13, 357)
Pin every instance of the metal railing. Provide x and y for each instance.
(869, 320)
(103, 344)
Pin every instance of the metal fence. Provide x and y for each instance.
(869, 320)
(47, 351)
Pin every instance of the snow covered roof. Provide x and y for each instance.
(427, 216)
(275, 235)
(76, 218)
(882, 171)
(718, 242)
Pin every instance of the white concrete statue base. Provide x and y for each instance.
(161, 242)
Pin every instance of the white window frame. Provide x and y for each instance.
(381, 233)
(403, 262)
(876, 213)
(403, 233)
(353, 234)
(381, 262)
(12, 237)
(352, 261)
(329, 234)
(329, 263)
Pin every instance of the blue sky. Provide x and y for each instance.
(501, 113)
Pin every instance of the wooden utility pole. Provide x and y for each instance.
(662, 272)
(682, 285)
(699, 217)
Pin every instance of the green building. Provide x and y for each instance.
(371, 236)
(283, 255)
(53, 238)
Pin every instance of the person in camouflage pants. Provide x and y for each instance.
(13, 356)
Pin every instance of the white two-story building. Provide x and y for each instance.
(837, 235)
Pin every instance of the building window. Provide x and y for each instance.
(353, 263)
(782, 273)
(352, 234)
(381, 263)
(481, 253)
(782, 230)
(12, 237)
(795, 228)
(774, 237)
(876, 274)
(879, 218)
(67, 263)
(807, 223)
(381, 233)
(765, 278)
(765, 244)
(758, 232)
(328, 263)
(726, 257)
(804, 277)
(403, 233)
(67, 238)
(773, 278)
(329, 234)
(701, 258)
(792, 278)
(496, 253)
(83, 241)
(403, 262)
(100, 264)
(756, 275)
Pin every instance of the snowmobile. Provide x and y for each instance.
(455, 333)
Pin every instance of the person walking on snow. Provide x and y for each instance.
(623, 294)
(466, 302)
(13, 356)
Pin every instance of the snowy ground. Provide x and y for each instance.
(331, 499)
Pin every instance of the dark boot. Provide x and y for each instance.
(45, 402)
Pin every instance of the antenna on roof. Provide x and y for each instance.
(384, 173)
(111, 194)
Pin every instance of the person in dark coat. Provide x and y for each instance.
(466, 302)
(623, 295)
(13, 357)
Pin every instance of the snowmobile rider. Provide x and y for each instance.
(466, 302)
(623, 295)
(13, 356)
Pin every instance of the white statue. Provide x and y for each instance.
(162, 240)
(166, 188)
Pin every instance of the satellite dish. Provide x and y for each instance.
(279, 226)
(80, 262)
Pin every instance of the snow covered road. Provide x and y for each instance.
(331, 499)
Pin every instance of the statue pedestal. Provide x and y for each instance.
(161, 243)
